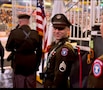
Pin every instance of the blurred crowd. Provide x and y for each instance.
(5, 19)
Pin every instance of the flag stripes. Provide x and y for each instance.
(41, 22)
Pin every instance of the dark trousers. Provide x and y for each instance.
(20, 81)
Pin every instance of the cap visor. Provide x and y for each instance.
(59, 25)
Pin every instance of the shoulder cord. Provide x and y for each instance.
(50, 55)
(80, 71)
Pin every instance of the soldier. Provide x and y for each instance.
(95, 78)
(61, 55)
(27, 46)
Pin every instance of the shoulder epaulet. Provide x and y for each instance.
(100, 57)
(69, 45)
(34, 30)
(13, 30)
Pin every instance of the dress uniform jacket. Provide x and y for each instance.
(59, 65)
(28, 50)
(95, 78)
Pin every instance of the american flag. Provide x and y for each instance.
(41, 22)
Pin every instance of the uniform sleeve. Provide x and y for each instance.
(63, 66)
(39, 52)
(10, 42)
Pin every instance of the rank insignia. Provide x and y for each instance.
(64, 51)
(97, 68)
(62, 66)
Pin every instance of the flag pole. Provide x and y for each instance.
(41, 28)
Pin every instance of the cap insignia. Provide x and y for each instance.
(58, 16)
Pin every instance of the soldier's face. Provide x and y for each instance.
(59, 33)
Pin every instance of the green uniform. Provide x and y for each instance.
(59, 64)
(95, 78)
